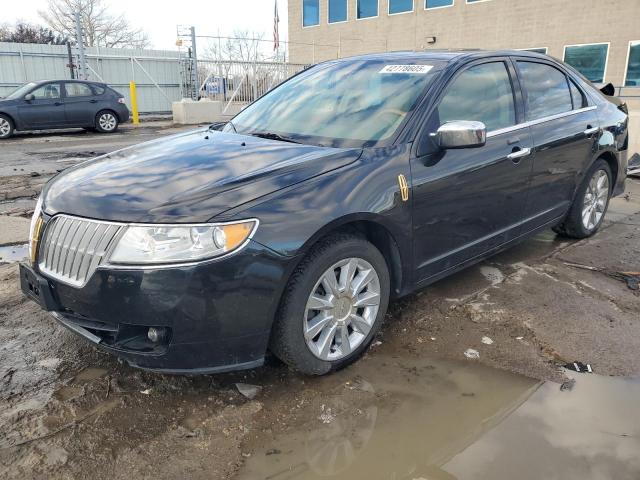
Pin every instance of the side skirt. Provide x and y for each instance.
(489, 253)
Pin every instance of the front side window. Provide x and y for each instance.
(310, 13)
(77, 90)
(51, 90)
(400, 6)
(589, 60)
(481, 93)
(438, 3)
(546, 90)
(337, 11)
(633, 68)
(350, 104)
(367, 8)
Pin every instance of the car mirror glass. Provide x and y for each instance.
(461, 134)
(29, 96)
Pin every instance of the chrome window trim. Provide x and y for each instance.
(538, 121)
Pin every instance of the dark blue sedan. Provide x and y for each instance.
(357, 181)
(48, 105)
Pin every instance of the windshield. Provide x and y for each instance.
(20, 91)
(350, 104)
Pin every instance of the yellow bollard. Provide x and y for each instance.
(134, 103)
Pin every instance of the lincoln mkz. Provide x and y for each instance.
(291, 227)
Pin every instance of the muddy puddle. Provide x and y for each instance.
(428, 419)
(13, 253)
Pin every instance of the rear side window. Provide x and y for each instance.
(98, 89)
(481, 93)
(78, 90)
(546, 90)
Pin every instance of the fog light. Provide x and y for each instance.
(156, 335)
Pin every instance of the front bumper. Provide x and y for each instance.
(218, 313)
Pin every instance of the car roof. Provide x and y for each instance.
(442, 55)
(89, 82)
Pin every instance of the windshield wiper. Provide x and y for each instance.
(272, 136)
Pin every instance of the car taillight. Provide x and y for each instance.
(121, 100)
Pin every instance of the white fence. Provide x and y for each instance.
(156, 72)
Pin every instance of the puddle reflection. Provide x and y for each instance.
(13, 253)
(447, 420)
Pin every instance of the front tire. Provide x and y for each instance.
(107, 121)
(6, 127)
(333, 305)
(590, 204)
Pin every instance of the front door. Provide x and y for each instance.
(565, 133)
(45, 110)
(468, 201)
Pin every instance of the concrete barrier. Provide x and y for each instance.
(188, 112)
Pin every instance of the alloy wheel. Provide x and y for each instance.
(341, 309)
(107, 122)
(5, 127)
(595, 200)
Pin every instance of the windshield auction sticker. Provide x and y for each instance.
(420, 69)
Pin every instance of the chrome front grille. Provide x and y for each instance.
(72, 248)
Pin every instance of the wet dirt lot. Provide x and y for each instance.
(414, 408)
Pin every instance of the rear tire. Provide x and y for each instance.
(6, 127)
(107, 121)
(590, 203)
(350, 307)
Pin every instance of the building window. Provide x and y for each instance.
(438, 3)
(337, 11)
(633, 66)
(367, 8)
(542, 50)
(400, 6)
(589, 60)
(310, 13)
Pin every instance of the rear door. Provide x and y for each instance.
(469, 201)
(565, 132)
(46, 110)
(79, 104)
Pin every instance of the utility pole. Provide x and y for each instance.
(82, 74)
(71, 66)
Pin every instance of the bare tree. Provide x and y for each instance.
(245, 46)
(23, 32)
(101, 28)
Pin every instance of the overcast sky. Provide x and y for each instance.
(160, 17)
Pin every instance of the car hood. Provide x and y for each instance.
(185, 178)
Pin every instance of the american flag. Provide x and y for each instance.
(276, 29)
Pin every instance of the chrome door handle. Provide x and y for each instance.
(518, 154)
(591, 131)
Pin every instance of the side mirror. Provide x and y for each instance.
(461, 134)
(29, 96)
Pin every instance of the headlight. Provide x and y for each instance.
(158, 244)
(34, 230)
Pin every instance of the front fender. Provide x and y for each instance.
(366, 190)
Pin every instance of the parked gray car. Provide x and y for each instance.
(53, 104)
